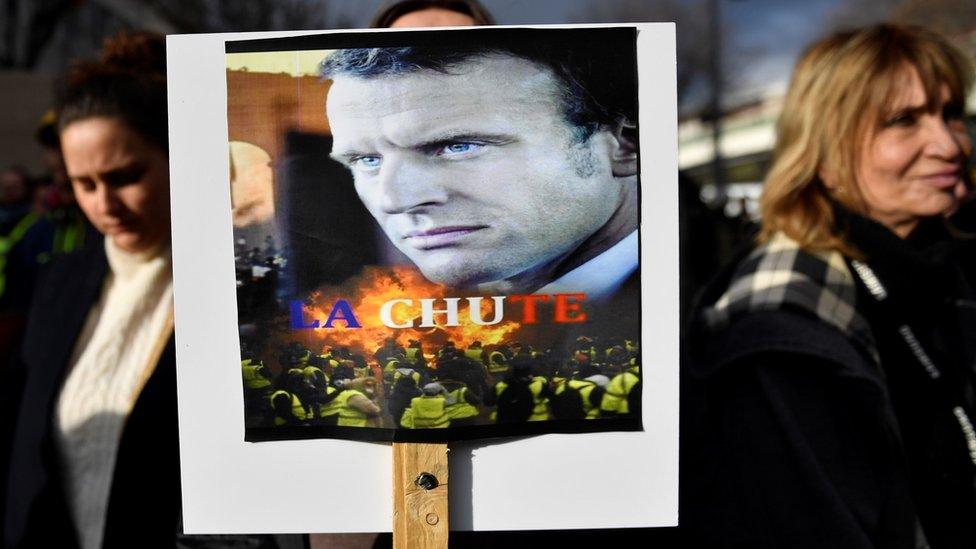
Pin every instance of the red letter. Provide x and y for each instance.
(564, 309)
(528, 310)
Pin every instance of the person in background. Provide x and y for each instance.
(24, 245)
(48, 222)
(15, 195)
(17, 271)
(66, 228)
(17, 217)
(432, 13)
(95, 455)
(828, 382)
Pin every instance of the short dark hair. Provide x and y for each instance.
(127, 82)
(472, 8)
(595, 86)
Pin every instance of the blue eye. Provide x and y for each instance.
(458, 149)
(368, 162)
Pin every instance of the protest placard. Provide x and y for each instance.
(426, 236)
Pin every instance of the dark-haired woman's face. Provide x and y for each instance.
(120, 180)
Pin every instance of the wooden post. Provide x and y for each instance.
(420, 519)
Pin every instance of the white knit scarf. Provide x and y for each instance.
(113, 357)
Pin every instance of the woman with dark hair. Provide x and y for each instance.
(95, 454)
(828, 389)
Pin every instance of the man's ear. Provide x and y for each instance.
(623, 162)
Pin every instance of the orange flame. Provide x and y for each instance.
(374, 286)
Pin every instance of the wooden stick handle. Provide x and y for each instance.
(420, 518)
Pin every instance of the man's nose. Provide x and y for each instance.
(408, 184)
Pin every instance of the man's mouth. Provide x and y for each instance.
(440, 237)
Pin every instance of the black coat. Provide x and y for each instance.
(144, 501)
(793, 437)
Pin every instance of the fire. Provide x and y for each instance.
(375, 286)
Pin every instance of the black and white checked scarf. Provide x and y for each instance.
(778, 275)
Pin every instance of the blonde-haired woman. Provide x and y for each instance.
(829, 390)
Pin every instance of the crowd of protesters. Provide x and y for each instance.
(413, 387)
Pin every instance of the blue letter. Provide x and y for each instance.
(298, 317)
(342, 306)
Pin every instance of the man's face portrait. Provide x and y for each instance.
(476, 174)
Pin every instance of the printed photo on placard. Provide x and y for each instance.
(437, 233)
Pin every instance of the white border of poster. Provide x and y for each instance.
(554, 481)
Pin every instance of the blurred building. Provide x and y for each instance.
(748, 134)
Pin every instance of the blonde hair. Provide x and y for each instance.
(839, 93)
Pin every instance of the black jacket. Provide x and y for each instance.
(144, 501)
(792, 436)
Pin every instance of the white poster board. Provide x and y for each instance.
(554, 481)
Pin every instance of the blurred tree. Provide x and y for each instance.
(696, 41)
(55, 31)
(253, 15)
(949, 17)
(26, 28)
(858, 13)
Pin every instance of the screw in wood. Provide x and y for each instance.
(426, 481)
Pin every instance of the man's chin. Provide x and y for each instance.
(452, 277)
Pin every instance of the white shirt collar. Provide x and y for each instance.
(600, 277)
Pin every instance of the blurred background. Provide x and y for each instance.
(734, 62)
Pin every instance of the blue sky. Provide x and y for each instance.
(774, 32)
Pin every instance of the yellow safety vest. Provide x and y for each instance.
(8, 241)
(328, 360)
(415, 375)
(426, 412)
(310, 372)
(461, 409)
(584, 388)
(474, 353)
(497, 362)
(252, 375)
(390, 366)
(615, 399)
(631, 346)
(540, 409)
(329, 408)
(348, 416)
(413, 354)
(69, 234)
(297, 410)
